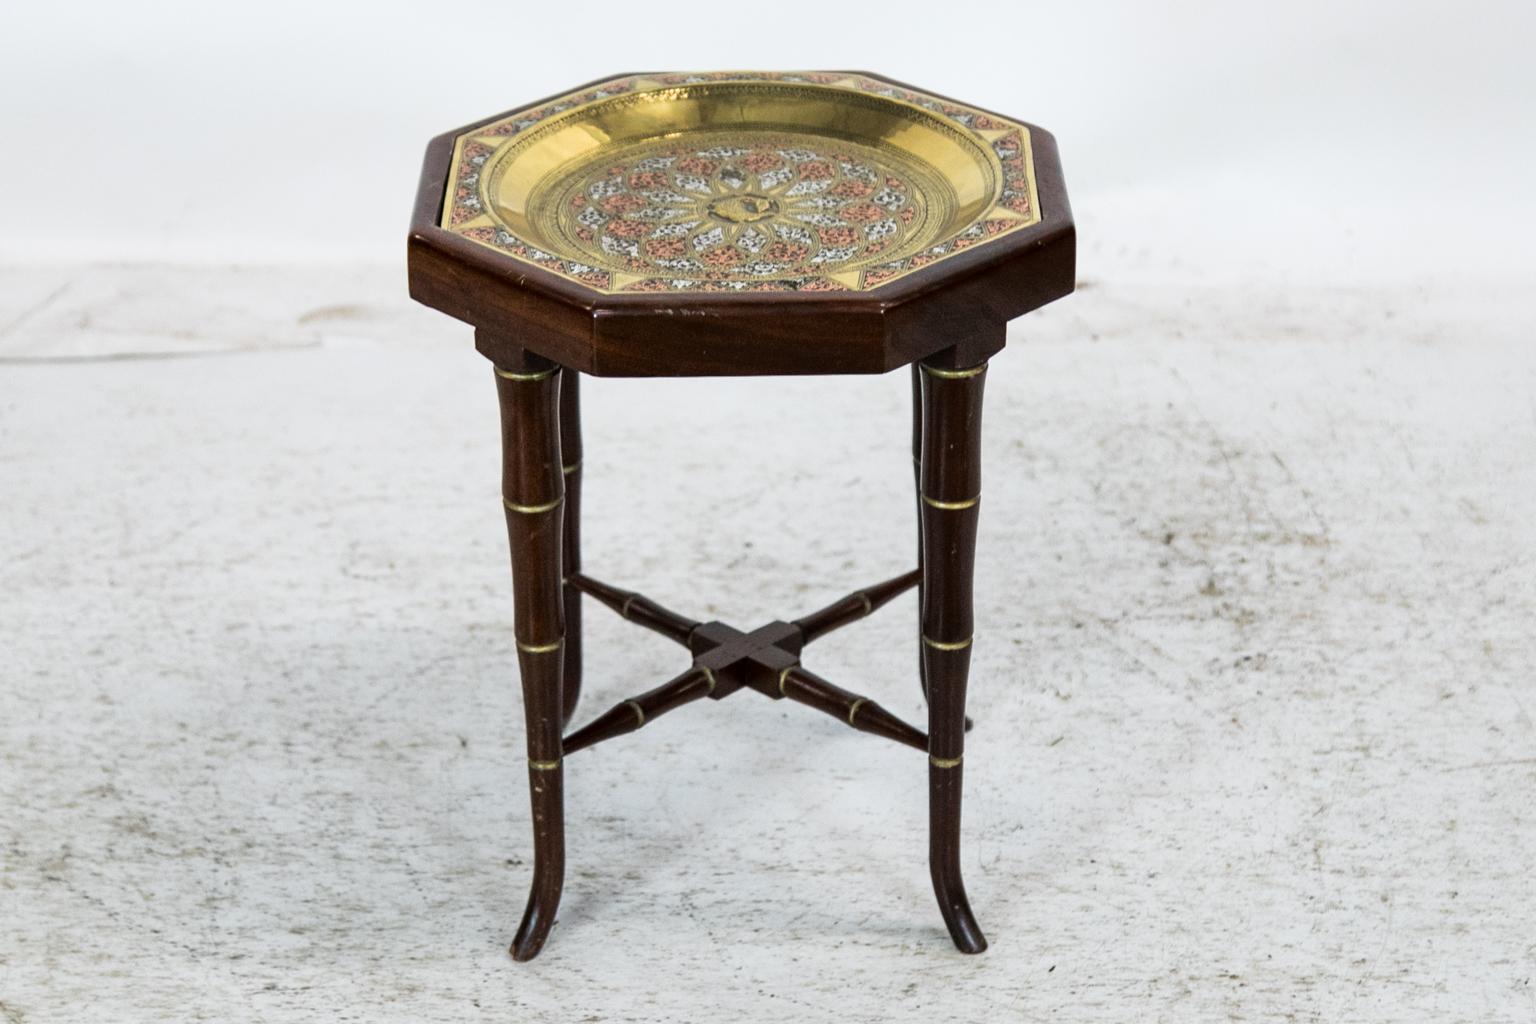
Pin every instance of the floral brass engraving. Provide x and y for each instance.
(740, 182)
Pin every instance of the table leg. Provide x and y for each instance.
(570, 562)
(949, 477)
(917, 481)
(533, 493)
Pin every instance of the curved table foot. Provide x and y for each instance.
(944, 786)
(548, 868)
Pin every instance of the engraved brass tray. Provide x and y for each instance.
(810, 181)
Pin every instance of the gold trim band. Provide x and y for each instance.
(573, 467)
(783, 675)
(539, 648)
(970, 371)
(869, 606)
(853, 709)
(517, 376)
(709, 674)
(543, 766)
(943, 645)
(529, 510)
(944, 762)
(639, 713)
(950, 506)
(624, 611)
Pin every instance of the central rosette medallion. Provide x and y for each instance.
(742, 209)
(733, 208)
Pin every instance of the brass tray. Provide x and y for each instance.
(740, 181)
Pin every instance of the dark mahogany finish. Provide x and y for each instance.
(570, 458)
(949, 498)
(533, 493)
(541, 332)
(726, 660)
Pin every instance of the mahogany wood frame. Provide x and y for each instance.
(541, 332)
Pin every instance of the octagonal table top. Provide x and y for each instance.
(692, 191)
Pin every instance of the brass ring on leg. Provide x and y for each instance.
(529, 510)
(950, 506)
(943, 645)
(970, 371)
(523, 377)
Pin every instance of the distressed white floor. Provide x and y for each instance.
(1254, 681)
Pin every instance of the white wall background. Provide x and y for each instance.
(1367, 142)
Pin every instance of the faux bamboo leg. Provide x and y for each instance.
(570, 562)
(949, 495)
(917, 479)
(533, 493)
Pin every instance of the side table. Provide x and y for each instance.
(712, 224)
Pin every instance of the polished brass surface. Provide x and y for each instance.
(806, 181)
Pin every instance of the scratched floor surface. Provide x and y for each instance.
(1254, 678)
